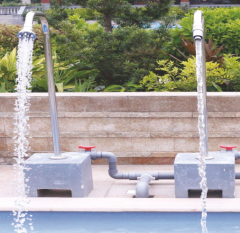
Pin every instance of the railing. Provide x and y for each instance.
(13, 10)
(213, 5)
(9, 10)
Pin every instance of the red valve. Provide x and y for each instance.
(87, 148)
(228, 147)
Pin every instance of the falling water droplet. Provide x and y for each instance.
(202, 149)
(21, 128)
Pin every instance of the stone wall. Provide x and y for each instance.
(140, 128)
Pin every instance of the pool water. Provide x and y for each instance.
(154, 25)
(124, 222)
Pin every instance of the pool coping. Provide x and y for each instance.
(124, 204)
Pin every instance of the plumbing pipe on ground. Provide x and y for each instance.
(237, 175)
(142, 188)
(113, 172)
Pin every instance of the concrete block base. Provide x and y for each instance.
(73, 173)
(220, 173)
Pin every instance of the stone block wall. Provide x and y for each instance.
(140, 128)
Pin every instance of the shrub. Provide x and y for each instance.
(85, 13)
(232, 67)
(8, 72)
(221, 26)
(126, 54)
(183, 79)
(9, 39)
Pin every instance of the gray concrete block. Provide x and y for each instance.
(73, 173)
(220, 173)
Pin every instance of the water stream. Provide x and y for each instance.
(201, 125)
(21, 130)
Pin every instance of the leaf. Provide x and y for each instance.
(217, 87)
(113, 88)
(2, 88)
(59, 87)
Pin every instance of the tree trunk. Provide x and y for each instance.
(107, 18)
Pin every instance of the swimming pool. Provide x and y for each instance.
(124, 222)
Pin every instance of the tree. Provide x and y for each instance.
(127, 15)
(126, 54)
(143, 16)
(109, 8)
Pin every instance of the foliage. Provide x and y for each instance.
(232, 67)
(221, 26)
(143, 16)
(108, 8)
(65, 75)
(125, 14)
(211, 52)
(10, 3)
(9, 39)
(86, 85)
(127, 87)
(8, 72)
(125, 54)
(183, 79)
(55, 15)
(84, 13)
(178, 11)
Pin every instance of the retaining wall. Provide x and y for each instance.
(140, 128)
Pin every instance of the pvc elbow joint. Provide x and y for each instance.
(112, 158)
(142, 188)
(237, 155)
(198, 26)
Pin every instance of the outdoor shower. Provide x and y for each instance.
(49, 170)
(189, 168)
(27, 31)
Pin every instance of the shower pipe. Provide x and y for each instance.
(27, 31)
(198, 34)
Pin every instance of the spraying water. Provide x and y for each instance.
(202, 136)
(21, 127)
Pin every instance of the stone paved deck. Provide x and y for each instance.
(106, 187)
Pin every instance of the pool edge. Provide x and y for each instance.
(124, 204)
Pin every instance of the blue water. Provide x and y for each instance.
(125, 222)
(155, 25)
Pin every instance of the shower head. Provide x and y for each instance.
(27, 31)
(26, 34)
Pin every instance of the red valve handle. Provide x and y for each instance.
(228, 147)
(87, 148)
